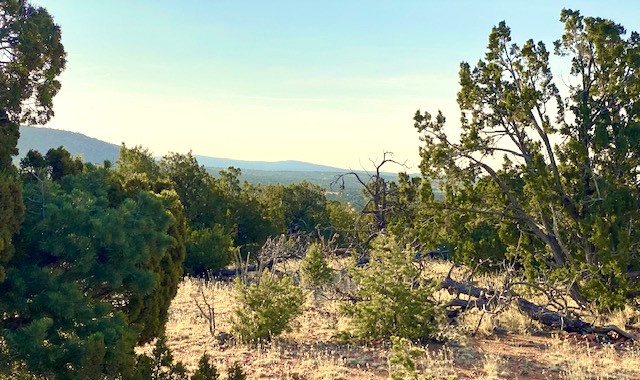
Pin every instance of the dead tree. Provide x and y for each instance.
(376, 190)
(555, 314)
(273, 251)
(207, 307)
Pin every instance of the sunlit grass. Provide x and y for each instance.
(314, 350)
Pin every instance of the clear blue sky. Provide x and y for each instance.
(330, 82)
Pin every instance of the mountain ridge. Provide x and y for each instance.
(97, 151)
(42, 139)
(286, 165)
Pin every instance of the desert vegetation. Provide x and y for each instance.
(525, 266)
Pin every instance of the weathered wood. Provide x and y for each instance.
(230, 273)
(556, 320)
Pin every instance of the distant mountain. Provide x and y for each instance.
(282, 166)
(43, 139)
(256, 172)
(97, 151)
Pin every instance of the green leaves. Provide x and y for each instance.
(571, 208)
(32, 41)
(11, 214)
(393, 297)
(208, 249)
(266, 309)
(94, 272)
(314, 269)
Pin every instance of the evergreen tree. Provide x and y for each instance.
(138, 172)
(88, 277)
(209, 242)
(573, 208)
(393, 297)
(205, 370)
(34, 58)
(202, 200)
(208, 249)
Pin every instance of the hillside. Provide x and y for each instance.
(289, 165)
(43, 139)
(96, 151)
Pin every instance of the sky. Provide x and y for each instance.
(333, 82)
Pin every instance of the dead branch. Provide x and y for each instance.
(489, 299)
(207, 311)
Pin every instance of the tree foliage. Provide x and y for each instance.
(295, 208)
(265, 309)
(202, 199)
(315, 271)
(392, 295)
(11, 214)
(208, 249)
(137, 172)
(32, 57)
(92, 275)
(574, 205)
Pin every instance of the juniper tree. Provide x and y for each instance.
(568, 181)
(32, 56)
(137, 172)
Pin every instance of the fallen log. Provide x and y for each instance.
(487, 299)
(225, 273)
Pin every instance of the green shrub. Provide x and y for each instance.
(236, 372)
(160, 366)
(314, 269)
(408, 362)
(205, 370)
(265, 309)
(208, 249)
(402, 360)
(393, 298)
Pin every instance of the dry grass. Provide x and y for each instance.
(510, 320)
(312, 350)
(582, 361)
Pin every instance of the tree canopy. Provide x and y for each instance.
(31, 58)
(93, 274)
(568, 179)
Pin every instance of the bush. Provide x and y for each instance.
(160, 366)
(205, 370)
(402, 360)
(265, 309)
(208, 249)
(407, 361)
(393, 298)
(236, 372)
(314, 269)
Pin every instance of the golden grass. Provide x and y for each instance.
(312, 350)
(583, 361)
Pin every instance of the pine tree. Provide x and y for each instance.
(35, 58)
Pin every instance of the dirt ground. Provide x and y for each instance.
(312, 350)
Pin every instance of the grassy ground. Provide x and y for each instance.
(313, 351)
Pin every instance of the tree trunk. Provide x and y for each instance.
(556, 320)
